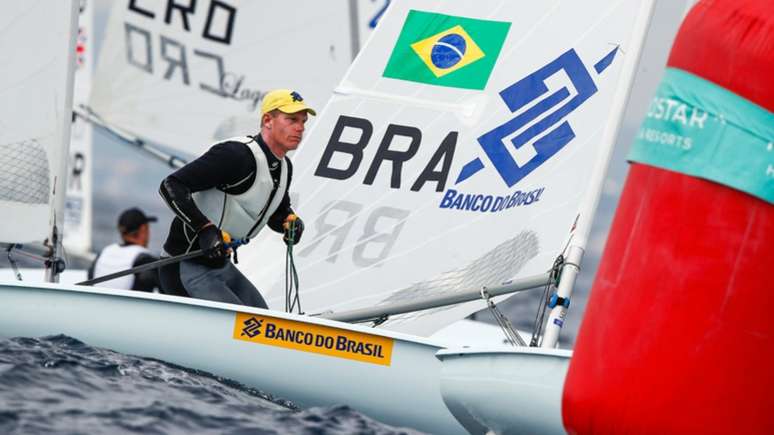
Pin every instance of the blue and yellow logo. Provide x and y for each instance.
(448, 51)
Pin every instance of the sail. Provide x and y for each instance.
(37, 40)
(185, 76)
(458, 152)
(78, 202)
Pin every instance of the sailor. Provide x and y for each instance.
(131, 252)
(237, 187)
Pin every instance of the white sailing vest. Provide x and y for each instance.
(244, 215)
(115, 258)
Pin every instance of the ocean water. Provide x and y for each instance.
(58, 384)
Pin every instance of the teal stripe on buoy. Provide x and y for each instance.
(698, 128)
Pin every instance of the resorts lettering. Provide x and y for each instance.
(668, 138)
(338, 342)
(172, 58)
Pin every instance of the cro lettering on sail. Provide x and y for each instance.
(177, 51)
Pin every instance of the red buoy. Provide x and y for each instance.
(677, 336)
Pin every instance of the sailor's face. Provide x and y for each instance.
(287, 129)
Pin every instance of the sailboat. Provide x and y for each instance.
(36, 103)
(460, 159)
(77, 216)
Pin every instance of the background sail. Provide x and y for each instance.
(185, 76)
(78, 203)
(455, 154)
(35, 109)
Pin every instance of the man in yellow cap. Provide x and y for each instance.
(238, 186)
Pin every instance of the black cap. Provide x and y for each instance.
(131, 220)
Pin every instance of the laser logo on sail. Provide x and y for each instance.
(446, 50)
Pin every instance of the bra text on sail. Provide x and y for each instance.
(435, 170)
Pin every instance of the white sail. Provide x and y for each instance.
(186, 75)
(78, 203)
(368, 14)
(456, 153)
(37, 40)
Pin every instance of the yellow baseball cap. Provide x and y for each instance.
(286, 101)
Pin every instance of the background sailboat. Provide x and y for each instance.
(36, 105)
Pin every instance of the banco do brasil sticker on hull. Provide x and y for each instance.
(308, 337)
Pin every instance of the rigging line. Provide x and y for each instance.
(563, 252)
(88, 114)
(538, 326)
(513, 337)
(32, 256)
(292, 294)
(13, 263)
(288, 284)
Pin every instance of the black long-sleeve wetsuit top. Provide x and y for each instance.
(228, 166)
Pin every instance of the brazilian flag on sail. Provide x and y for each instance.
(445, 50)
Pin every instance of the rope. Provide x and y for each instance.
(511, 335)
(292, 295)
(553, 279)
(13, 263)
(29, 255)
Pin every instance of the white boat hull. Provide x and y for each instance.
(203, 335)
(517, 391)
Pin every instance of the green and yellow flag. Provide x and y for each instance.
(445, 50)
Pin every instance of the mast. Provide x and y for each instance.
(579, 240)
(55, 263)
(79, 201)
(354, 28)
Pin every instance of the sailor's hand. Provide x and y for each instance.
(211, 242)
(294, 227)
(226, 239)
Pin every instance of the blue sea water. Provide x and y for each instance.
(58, 384)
